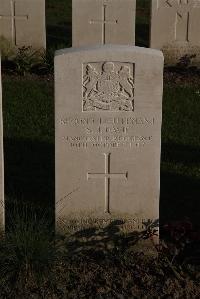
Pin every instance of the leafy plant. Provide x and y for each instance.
(47, 65)
(26, 59)
(185, 61)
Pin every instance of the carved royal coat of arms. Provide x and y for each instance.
(108, 86)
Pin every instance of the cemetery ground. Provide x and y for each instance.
(35, 265)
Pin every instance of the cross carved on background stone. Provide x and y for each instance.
(103, 22)
(13, 18)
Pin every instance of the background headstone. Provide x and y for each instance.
(108, 102)
(103, 22)
(1, 161)
(23, 22)
(174, 30)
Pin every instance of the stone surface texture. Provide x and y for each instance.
(103, 22)
(108, 102)
(23, 22)
(174, 29)
(1, 161)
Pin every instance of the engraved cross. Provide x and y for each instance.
(13, 18)
(103, 22)
(107, 176)
(182, 22)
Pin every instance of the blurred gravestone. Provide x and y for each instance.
(103, 22)
(1, 161)
(108, 103)
(22, 22)
(174, 29)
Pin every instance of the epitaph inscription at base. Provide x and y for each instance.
(108, 135)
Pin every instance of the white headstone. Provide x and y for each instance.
(103, 22)
(108, 103)
(23, 22)
(174, 30)
(1, 161)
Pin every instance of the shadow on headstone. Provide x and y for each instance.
(100, 242)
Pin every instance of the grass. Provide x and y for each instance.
(28, 140)
(180, 121)
(142, 23)
(59, 18)
(180, 175)
(30, 103)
